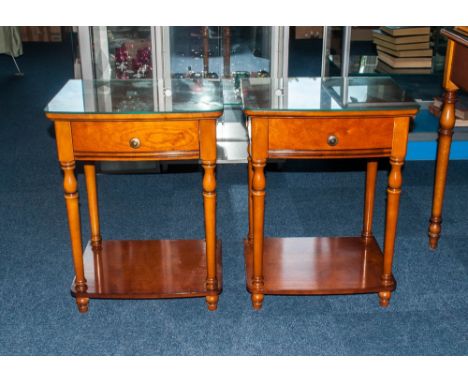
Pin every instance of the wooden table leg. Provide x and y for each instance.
(371, 177)
(258, 198)
(393, 201)
(208, 160)
(447, 123)
(90, 175)
(250, 172)
(259, 153)
(70, 186)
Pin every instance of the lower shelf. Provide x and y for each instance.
(319, 265)
(138, 269)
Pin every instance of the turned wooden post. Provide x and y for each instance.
(70, 186)
(66, 158)
(371, 177)
(250, 203)
(259, 150)
(400, 140)
(90, 175)
(208, 160)
(206, 49)
(447, 123)
(227, 51)
(258, 193)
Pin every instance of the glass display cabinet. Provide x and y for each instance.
(164, 54)
(231, 54)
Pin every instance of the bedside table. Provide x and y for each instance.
(311, 118)
(127, 121)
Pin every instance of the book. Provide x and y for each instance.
(406, 53)
(379, 35)
(382, 67)
(402, 47)
(410, 62)
(406, 31)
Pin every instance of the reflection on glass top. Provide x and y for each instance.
(333, 94)
(137, 96)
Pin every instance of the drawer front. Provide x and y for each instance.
(326, 136)
(135, 138)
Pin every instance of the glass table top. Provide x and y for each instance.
(328, 94)
(137, 96)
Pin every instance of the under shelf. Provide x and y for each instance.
(148, 269)
(319, 265)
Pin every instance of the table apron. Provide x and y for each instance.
(150, 140)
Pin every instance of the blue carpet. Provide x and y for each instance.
(428, 312)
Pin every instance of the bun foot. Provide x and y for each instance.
(433, 242)
(434, 232)
(257, 301)
(82, 303)
(384, 299)
(212, 302)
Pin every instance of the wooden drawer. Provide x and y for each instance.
(329, 136)
(135, 139)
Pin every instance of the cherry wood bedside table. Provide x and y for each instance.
(131, 121)
(310, 118)
(455, 77)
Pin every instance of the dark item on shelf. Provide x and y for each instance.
(195, 75)
(237, 76)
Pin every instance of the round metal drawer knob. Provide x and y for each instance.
(332, 140)
(135, 143)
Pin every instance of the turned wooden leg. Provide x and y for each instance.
(70, 187)
(209, 199)
(393, 201)
(447, 122)
(371, 177)
(206, 49)
(227, 51)
(208, 160)
(90, 175)
(250, 172)
(258, 196)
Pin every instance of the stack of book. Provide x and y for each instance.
(403, 49)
